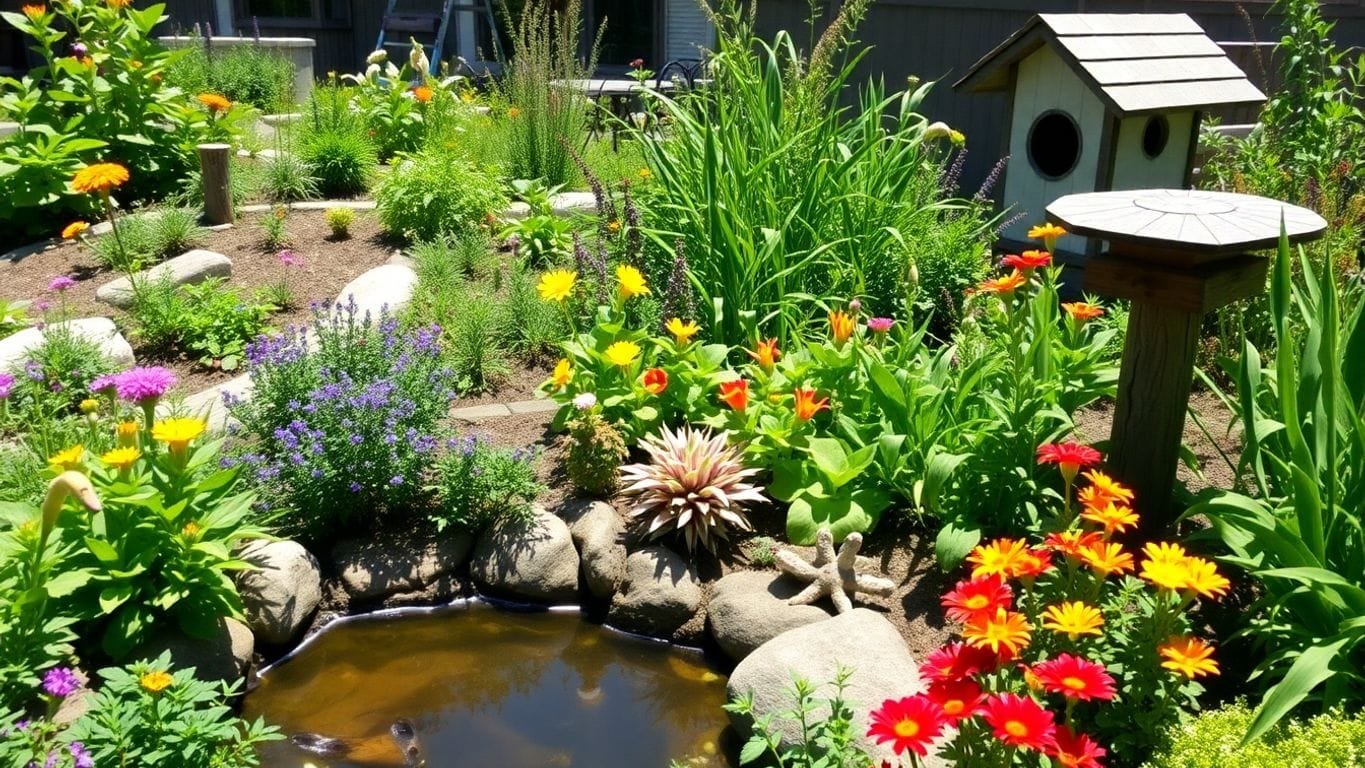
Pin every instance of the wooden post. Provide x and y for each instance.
(215, 171)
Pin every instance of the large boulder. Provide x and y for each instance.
(377, 567)
(660, 593)
(599, 533)
(861, 641)
(14, 348)
(386, 286)
(280, 595)
(224, 657)
(208, 403)
(749, 608)
(189, 268)
(535, 560)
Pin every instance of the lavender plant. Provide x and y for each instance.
(479, 485)
(342, 424)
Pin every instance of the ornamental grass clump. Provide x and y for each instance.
(1071, 649)
(344, 425)
(694, 483)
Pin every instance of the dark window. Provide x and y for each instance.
(1054, 144)
(1155, 135)
(280, 9)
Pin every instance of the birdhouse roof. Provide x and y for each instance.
(1137, 63)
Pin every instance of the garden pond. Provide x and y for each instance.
(475, 686)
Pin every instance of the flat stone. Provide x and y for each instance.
(571, 203)
(14, 349)
(599, 533)
(533, 406)
(209, 403)
(402, 259)
(535, 560)
(387, 565)
(388, 286)
(282, 592)
(659, 594)
(224, 657)
(189, 268)
(481, 412)
(749, 608)
(517, 210)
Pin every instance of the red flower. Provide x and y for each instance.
(1075, 678)
(972, 597)
(1033, 563)
(958, 661)
(1027, 260)
(806, 404)
(1071, 543)
(1075, 750)
(909, 724)
(655, 381)
(1019, 721)
(637, 63)
(735, 393)
(1070, 457)
(958, 699)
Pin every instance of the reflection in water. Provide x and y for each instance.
(483, 688)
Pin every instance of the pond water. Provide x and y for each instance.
(479, 687)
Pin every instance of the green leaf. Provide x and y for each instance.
(843, 514)
(1308, 672)
(66, 582)
(102, 550)
(752, 750)
(114, 595)
(954, 543)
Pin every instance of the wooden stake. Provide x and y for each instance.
(215, 170)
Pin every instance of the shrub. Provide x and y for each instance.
(339, 220)
(342, 160)
(341, 430)
(274, 233)
(593, 452)
(246, 74)
(148, 238)
(209, 322)
(1214, 740)
(478, 485)
(429, 195)
(286, 178)
(528, 327)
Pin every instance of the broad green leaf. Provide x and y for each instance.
(954, 543)
(1308, 672)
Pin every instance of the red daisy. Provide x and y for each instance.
(909, 724)
(976, 596)
(1076, 750)
(958, 661)
(959, 699)
(1070, 457)
(1019, 721)
(1071, 543)
(1033, 563)
(1027, 260)
(1075, 678)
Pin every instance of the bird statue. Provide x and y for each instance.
(831, 574)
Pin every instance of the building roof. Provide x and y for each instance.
(1135, 62)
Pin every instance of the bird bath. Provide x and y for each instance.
(481, 687)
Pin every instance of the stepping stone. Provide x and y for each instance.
(14, 349)
(388, 285)
(189, 268)
(570, 203)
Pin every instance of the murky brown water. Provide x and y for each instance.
(486, 688)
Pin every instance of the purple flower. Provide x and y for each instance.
(288, 258)
(879, 324)
(356, 487)
(34, 370)
(141, 385)
(81, 755)
(42, 305)
(60, 682)
(79, 50)
(104, 384)
(6, 385)
(60, 283)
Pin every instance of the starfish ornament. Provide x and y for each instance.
(832, 575)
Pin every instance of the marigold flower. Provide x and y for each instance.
(1075, 678)
(1189, 656)
(89, 405)
(563, 374)
(957, 661)
(68, 459)
(1019, 721)
(121, 458)
(841, 326)
(623, 353)
(959, 699)
(1165, 565)
(156, 682)
(1082, 312)
(126, 433)
(766, 354)
(1000, 557)
(682, 331)
(1202, 577)
(655, 381)
(1114, 517)
(191, 530)
(1107, 487)
(1106, 558)
(99, 178)
(1070, 457)
(910, 724)
(1032, 564)
(34, 12)
(645, 174)
(973, 597)
(1028, 260)
(1004, 629)
(1005, 285)
(119, 5)
(177, 433)
(74, 230)
(735, 394)
(422, 93)
(1049, 234)
(631, 282)
(556, 285)
(215, 103)
(1070, 543)
(1075, 750)
(513, 112)
(1073, 619)
(613, 226)
(806, 404)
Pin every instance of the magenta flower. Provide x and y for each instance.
(143, 385)
(104, 384)
(288, 258)
(60, 682)
(6, 385)
(880, 324)
(60, 283)
(43, 305)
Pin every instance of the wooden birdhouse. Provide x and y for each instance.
(1103, 102)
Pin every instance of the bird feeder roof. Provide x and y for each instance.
(1137, 63)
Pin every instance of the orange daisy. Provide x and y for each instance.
(1114, 517)
(99, 178)
(1005, 285)
(1004, 632)
(1000, 557)
(1188, 656)
(1082, 312)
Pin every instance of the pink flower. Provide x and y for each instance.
(288, 258)
(104, 384)
(879, 324)
(638, 63)
(43, 305)
(141, 385)
(6, 385)
(60, 283)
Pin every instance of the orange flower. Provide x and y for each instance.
(1075, 750)
(119, 5)
(998, 558)
(1070, 543)
(1189, 656)
(841, 325)
(1203, 578)
(1028, 260)
(1166, 566)
(1004, 629)
(1005, 285)
(735, 394)
(766, 354)
(1032, 564)
(655, 381)
(513, 112)
(1105, 558)
(99, 178)
(216, 104)
(1114, 517)
(34, 12)
(1105, 487)
(1081, 311)
(422, 93)
(74, 230)
(806, 404)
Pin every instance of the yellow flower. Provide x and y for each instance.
(99, 178)
(1166, 566)
(71, 458)
(74, 230)
(557, 285)
(156, 682)
(645, 174)
(120, 4)
(89, 405)
(191, 530)
(1202, 576)
(1005, 629)
(1105, 558)
(631, 282)
(1189, 656)
(1048, 233)
(121, 458)
(1103, 486)
(998, 558)
(126, 432)
(841, 325)
(682, 331)
(177, 433)
(623, 353)
(1073, 619)
(613, 226)
(563, 374)
(1114, 517)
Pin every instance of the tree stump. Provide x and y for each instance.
(216, 174)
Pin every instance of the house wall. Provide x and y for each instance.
(687, 30)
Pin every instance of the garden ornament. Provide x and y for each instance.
(831, 574)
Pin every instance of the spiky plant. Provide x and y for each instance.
(694, 483)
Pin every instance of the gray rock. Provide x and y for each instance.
(570, 203)
(377, 567)
(749, 608)
(861, 640)
(387, 285)
(189, 268)
(208, 403)
(14, 348)
(535, 560)
(660, 593)
(280, 596)
(599, 532)
(77, 704)
(223, 657)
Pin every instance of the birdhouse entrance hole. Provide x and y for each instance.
(1054, 144)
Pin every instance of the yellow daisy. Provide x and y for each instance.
(557, 285)
(71, 458)
(682, 331)
(631, 282)
(623, 353)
